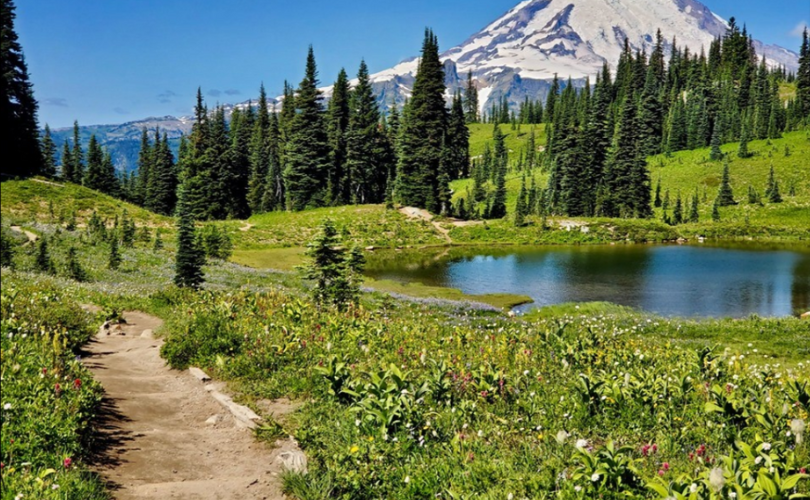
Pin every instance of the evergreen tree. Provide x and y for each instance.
(190, 257)
(158, 245)
(365, 161)
(94, 177)
(67, 163)
(6, 250)
(307, 150)
(773, 189)
(457, 143)
(471, 100)
(144, 168)
(114, 261)
(716, 210)
(742, 150)
(725, 196)
(48, 149)
(164, 179)
(43, 262)
(259, 156)
(803, 78)
(328, 267)
(73, 267)
(77, 157)
(657, 202)
(651, 115)
(422, 133)
(338, 116)
(716, 153)
(677, 213)
(18, 107)
(694, 214)
(239, 176)
(521, 209)
(627, 176)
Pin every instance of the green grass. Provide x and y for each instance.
(481, 134)
(365, 225)
(36, 200)
(497, 300)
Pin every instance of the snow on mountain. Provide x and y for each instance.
(518, 54)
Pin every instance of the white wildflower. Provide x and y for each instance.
(595, 477)
(798, 427)
(716, 479)
(766, 446)
(581, 444)
(562, 436)
(693, 488)
(7, 407)
(407, 479)
(758, 460)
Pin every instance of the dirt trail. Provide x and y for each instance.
(420, 213)
(28, 234)
(154, 439)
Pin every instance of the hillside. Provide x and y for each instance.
(39, 200)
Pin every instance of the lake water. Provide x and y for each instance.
(673, 280)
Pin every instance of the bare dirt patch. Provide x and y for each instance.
(161, 435)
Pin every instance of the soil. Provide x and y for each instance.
(156, 435)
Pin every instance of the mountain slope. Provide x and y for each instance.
(518, 54)
(515, 56)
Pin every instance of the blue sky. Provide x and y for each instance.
(112, 61)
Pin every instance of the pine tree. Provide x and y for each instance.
(773, 189)
(422, 134)
(457, 144)
(307, 149)
(725, 196)
(803, 78)
(742, 150)
(94, 177)
(239, 176)
(144, 168)
(259, 156)
(694, 214)
(158, 244)
(77, 157)
(6, 250)
(189, 258)
(43, 262)
(365, 162)
(471, 100)
(73, 267)
(327, 267)
(677, 213)
(521, 209)
(657, 202)
(627, 176)
(18, 107)
(164, 179)
(48, 149)
(114, 261)
(338, 116)
(716, 153)
(716, 210)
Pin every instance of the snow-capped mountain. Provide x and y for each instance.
(518, 54)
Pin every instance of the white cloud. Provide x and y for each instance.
(799, 29)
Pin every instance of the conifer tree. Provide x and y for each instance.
(48, 149)
(94, 177)
(694, 214)
(773, 188)
(43, 262)
(422, 135)
(742, 150)
(365, 162)
(627, 176)
(471, 100)
(144, 168)
(716, 210)
(73, 267)
(189, 258)
(657, 202)
(114, 261)
(803, 77)
(457, 144)
(76, 157)
(521, 208)
(6, 250)
(307, 149)
(725, 196)
(259, 156)
(239, 176)
(716, 153)
(677, 213)
(338, 117)
(18, 107)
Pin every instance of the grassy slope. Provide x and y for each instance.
(684, 171)
(30, 201)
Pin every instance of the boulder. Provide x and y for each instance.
(806, 315)
(294, 461)
(199, 374)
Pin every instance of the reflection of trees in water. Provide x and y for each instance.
(800, 290)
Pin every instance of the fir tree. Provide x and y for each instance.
(457, 143)
(327, 267)
(803, 78)
(158, 244)
(657, 202)
(43, 262)
(94, 177)
(48, 149)
(471, 100)
(189, 258)
(521, 209)
(677, 213)
(6, 250)
(259, 156)
(773, 189)
(164, 179)
(716, 210)
(338, 116)
(694, 214)
(742, 151)
(76, 157)
(73, 267)
(725, 196)
(365, 162)
(145, 156)
(307, 149)
(627, 176)
(114, 261)
(716, 153)
(422, 135)
(18, 107)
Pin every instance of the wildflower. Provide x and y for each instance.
(510, 496)
(7, 406)
(577, 488)
(665, 466)
(595, 477)
(766, 446)
(77, 384)
(732, 494)
(55, 487)
(798, 427)
(67, 462)
(581, 444)
(407, 479)
(758, 460)
(693, 488)
(562, 436)
(716, 479)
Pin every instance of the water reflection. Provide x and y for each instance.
(670, 280)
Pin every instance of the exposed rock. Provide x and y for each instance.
(294, 461)
(199, 374)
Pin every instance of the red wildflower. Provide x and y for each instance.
(67, 462)
(77, 384)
